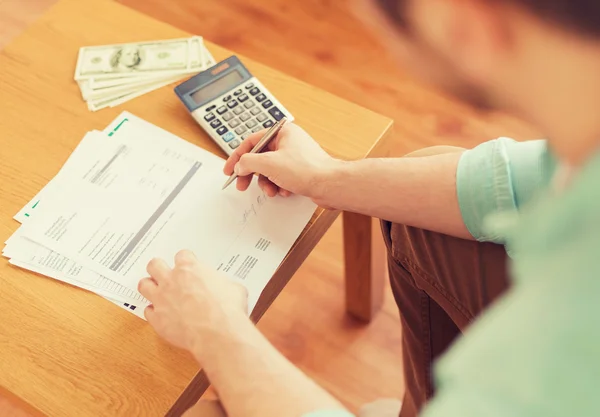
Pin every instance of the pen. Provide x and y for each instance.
(262, 143)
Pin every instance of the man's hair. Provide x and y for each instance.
(576, 15)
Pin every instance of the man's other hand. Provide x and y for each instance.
(190, 300)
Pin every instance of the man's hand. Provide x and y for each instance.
(190, 300)
(294, 163)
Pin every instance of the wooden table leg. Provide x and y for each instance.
(366, 265)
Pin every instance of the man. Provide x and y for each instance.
(535, 351)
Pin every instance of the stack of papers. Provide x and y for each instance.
(134, 192)
(110, 75)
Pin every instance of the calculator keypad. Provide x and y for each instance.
(239, 116)
(276, 113)
(261, 117)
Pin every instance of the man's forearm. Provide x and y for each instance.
(419, 192)
(253, 379)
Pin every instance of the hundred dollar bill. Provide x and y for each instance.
(142, 58)
(120, 98)
(198, 50)
(135, 84)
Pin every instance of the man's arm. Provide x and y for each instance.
(419, 192)
(253, 379)
(448, 193)
(199, 309)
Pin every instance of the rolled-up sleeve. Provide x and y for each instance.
(497, 176)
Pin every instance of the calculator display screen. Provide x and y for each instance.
(217, 87)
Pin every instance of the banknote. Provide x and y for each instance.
(89, 93)
(120, 98)
(110, 75)
(142, 58)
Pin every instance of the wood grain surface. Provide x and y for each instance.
(64, 351)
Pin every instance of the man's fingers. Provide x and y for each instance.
(267, 186)
(158, 269)
(148, 288)
(244, 182)
(185, 257)
(244, 148)
(149, 313)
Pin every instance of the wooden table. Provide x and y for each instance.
(58, 353)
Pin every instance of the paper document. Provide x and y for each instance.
(146, 193)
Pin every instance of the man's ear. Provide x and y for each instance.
(472, 34)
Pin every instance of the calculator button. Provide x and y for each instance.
(215, 123)
(255, 111)
(209, 117)
(276, 113)
(245, 117)
(242, 98)
(240, 130)
(237, 92)
(222, 130)
(228, 136)
(257, 129)
(227, 98)
(268, 123)
(221, 109)
(254, 91)
(234, 123)
(234, 144)
(251, 123)
(228, 116)
(261, 117)
(260, 97)
(211, 108)
(238, 110)
(249, 104)
(267, 104)
(232, 104)
(249, 86)
(245, 135)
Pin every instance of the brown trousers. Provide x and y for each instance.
(440, 284)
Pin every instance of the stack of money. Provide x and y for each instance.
(110, 75)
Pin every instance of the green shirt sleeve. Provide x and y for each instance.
(499, 175)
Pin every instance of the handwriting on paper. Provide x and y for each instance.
(254, 208)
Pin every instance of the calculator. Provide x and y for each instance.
(229, 103)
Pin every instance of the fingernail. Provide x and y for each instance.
(236, 169)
